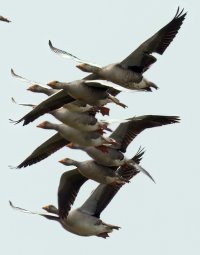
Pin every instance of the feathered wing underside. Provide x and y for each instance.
(103, 194)
(49, 216)
(23, 78)
(158, 43)
(126, 132)
(47, 148)
(70, 184)
(51, 103)
(111, 91)
(104, 84)
(66, 54)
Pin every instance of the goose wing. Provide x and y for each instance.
(140, 59)
(126, 132)
(70, 184)
(51, 103)
(49, 216)
(103, 194)
(66, 54)
(43, 151)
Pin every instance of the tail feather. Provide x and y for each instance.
(138, 156)
(153, 85)
(141, 169)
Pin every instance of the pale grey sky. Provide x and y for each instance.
(155, 219)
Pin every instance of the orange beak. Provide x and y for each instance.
(81, 67)
(29, 88)
(70, 145)
(61, 161)
(51, 84)
(41, 125)
(45, 207)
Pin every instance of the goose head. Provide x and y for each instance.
(35, 88)
(56, 84)
(46, 125)
(88, 68)
(67, 161)
(50, 209)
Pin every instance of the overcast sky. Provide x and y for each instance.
(161, 218)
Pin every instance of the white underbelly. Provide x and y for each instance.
(81, 224)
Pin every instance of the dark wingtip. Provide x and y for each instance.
(175, 119)
(138, 156)
(180, 13)
(50, 44)
(14, 121)
(12, 71)
(13, 167)
(148, 89)
(153, 85)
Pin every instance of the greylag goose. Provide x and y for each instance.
(84, 121)
(4, 19)
(123, 134)
(75, 106)
(129, 72)
(80, 120)
(91, 170)
(77, 137)
(90, 92)
(85, 220)
(38, 88)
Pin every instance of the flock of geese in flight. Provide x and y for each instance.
(75, 104)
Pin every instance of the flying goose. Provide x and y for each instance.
(78, 137)
(90, 92)
(4, 19)
(129, 72)
(123, 134)
(84, 121)
(75, 106)
(36, 87)
(96, 172)
(85, 220)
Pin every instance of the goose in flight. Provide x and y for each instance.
(90, 92)
(85, 220)
(4, 19)
(85, 139)
(85, 121)
(129, 72)
(103, 174)
(75, 106)
(124, 134)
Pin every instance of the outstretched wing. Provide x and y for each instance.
(51, 103)
(23, 79)
(70, 184)
(104, 84)
(126, 132)
(66, 54)
(47, 148)
(104, 193)
(46, 215)
(140, 59)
